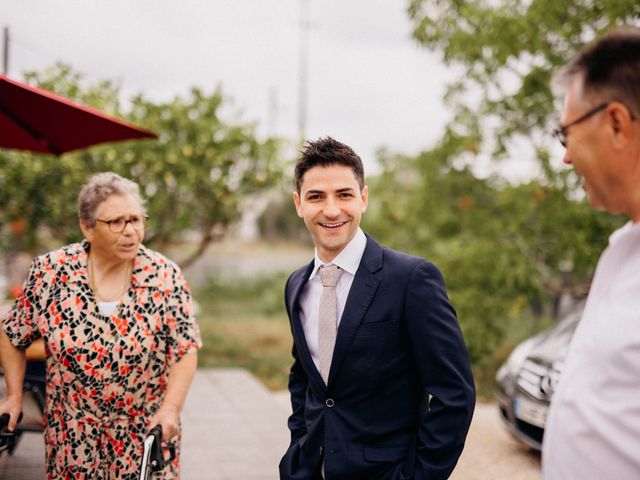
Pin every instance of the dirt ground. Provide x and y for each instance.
(492, 454)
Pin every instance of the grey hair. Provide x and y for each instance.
(608, 69)
(100, 187)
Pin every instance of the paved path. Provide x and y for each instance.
(28, 461)
(235, 429)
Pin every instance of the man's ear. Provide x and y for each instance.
(621, 123)
(296, 202)
(365, 198)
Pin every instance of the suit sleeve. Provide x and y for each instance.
(443, 364)
(298, 384)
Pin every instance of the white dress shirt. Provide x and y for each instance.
(348, 260)
(593, 430)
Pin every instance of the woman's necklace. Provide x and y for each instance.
(121, 292)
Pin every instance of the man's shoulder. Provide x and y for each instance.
(401, 257)
(396, 264)
(392, 257)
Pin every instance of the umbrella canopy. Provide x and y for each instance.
(39, 121)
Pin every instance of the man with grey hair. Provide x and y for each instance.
(593, 429)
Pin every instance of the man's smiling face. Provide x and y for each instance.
(331, 204)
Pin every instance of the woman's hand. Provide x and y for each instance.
(13, 406)
(168, 417)
(180, 376)
(14, 362)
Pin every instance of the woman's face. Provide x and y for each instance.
(116, 246)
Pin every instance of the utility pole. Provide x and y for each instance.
(303, 70)
(5, 51)
(272, 114)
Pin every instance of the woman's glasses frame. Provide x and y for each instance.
(117, 225)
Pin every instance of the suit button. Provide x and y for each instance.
(329, 402)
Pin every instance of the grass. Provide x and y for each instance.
(244, 324)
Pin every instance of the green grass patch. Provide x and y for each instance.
(244, 324)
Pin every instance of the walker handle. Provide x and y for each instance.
(4, 420)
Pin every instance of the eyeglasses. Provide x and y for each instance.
(561, 132)
(117, 225)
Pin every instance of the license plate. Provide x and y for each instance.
(530, 412)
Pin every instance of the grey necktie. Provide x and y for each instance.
(327, 318)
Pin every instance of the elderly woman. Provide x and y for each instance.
(120, 338)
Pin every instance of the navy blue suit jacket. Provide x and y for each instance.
(400, 394)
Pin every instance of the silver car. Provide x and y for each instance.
(528, 377)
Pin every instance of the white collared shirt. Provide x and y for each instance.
(593, 430)
(349, 261)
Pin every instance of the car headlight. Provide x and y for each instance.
(516, 359)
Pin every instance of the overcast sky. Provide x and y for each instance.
(369, 84)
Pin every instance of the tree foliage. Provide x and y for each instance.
(508, 252)
(195, 176)
(506, 52)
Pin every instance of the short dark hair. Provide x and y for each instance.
(326, 152)
(609, 69)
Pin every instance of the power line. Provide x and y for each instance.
(303, 70)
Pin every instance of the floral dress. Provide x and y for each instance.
(106, 376)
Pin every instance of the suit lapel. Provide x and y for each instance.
(363, 289)
(297, 284)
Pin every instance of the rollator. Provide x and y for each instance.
(7, 439)
(34, 394)
(153, 459)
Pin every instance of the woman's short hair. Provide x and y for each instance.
(100, 187)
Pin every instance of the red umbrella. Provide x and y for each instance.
(39, 121)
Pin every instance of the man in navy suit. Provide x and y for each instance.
(394, 398)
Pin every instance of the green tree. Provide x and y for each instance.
(195, 176)
(506, 53)
(508, 252)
